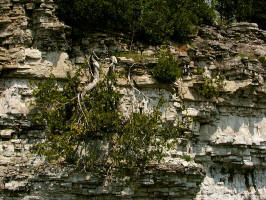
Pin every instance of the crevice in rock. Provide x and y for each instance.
(246, 175)
(254, 183)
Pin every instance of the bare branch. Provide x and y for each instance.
(81, 109)
(96, 75)
(95, 55)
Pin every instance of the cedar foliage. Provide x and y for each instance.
(167, 69)
(92, 134)
(211, 87)
(151, 21)
(243, 10)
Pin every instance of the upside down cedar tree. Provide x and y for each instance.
(93, 134)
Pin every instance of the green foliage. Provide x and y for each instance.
(210, 88)
(187, 158)
(262, 59)
(134, 55)
(198, 71)
(242, 10)
(167, 69)
(259, 13)
(250, 57)
(92, 133)
(152, 21)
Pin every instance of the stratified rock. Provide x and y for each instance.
(225, 145)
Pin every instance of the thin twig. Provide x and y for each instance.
(80, 106)
(95, 55)
(88, 62)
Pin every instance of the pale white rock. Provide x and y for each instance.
(233, 86)
(191, 112)
(33, 53)
(32, 198)
(238, 130)
(11, 101)
(127, 192)
(15, 185)
(144, 80)
(148, 52)
(6, 133)
(259, 50)
(207, 73)
(114, 59)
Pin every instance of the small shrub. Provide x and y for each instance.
(246, 56)
(262, 59)
(167, 69)
(187, 158)
(134, 55)
(198, 71)
(210, 88)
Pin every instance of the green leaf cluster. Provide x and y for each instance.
(167, 69)
(152, 21)
(242, 10)
(91, 132)
(198, 71)
(262, 59)
(187, 158)
(137, 57)
(211, 87)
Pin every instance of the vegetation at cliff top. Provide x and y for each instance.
(92, 133)
(154, 21)
(242, 10)
(151, 21)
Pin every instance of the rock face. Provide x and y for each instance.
(226, 143)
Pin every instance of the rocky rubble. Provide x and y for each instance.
(225, 146)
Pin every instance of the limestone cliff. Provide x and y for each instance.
(226, 141)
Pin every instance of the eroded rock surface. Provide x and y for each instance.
(226, 141)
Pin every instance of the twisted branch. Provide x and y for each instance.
(95, 73)
(96, 76)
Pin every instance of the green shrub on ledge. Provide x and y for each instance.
(167, 69)
(210, 88)
(137, 57)
(263, 61)
(187, 158)
(92, 134)
(198, 71)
